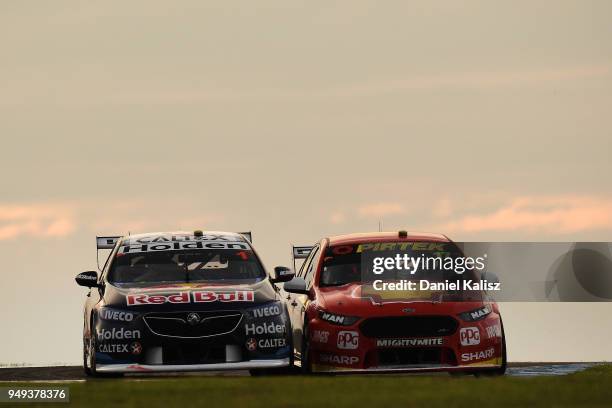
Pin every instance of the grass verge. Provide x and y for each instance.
(592, 387)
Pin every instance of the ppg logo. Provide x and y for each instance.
(469, 336)
(348, 340)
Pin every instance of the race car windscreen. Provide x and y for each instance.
(187, 266)
(345, 264)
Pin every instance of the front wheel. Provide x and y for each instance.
(86, 368)
(89, 358)
(89, 354)
(305, 351)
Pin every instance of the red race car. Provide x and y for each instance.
(341, 324)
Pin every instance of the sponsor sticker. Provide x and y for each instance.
(348, 340)
(267, 311)
(133, 248)
(271, 343)
(478, 355)
(133, 348)
(469, 336)
(113, 348)
(187, 297)
(117, 334)
(479, 313)
(332, 318)
(154, 239)
(253, 344)
(236, 296)
(402, 246)
(136, 348)
(284, 272)
(264, 328)
(320, 336)
(432, 341)
(116, 315)
(493, 331)
(87, 277)
(336, 359)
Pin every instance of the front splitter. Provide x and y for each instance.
(143, 368)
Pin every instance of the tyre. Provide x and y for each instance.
(86, 368)
(306, 366)
(87, 351)
(290, 369)
(90, 362)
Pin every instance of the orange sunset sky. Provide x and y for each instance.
(483, 120)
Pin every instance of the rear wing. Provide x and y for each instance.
(248, 235)
(300, 252)
(106, 242)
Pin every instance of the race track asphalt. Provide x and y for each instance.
(75, 373)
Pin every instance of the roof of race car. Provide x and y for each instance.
(185, 235)
(385, 236)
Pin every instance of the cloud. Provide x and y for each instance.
(337, 217)
(149, 91)
(36, 220)
(549, 214)
(442, 208)
(54, 220)
(137, 217)
(380, 209)
(478, 80)
(559, 214)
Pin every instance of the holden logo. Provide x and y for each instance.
(408, 310)
(193, 319)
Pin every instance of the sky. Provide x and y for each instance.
(483, 120)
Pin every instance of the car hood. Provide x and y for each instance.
(188, 296)
(361, 300)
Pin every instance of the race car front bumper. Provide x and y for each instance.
(358, 348)
(487, 365)
(240, 365)
(164, 342)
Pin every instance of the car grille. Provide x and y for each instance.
(408, 326)
(184, 325)
(194, 354)
(413, 356)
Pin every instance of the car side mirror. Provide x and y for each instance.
(282, 274)
(296, 285)
(88, 279)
